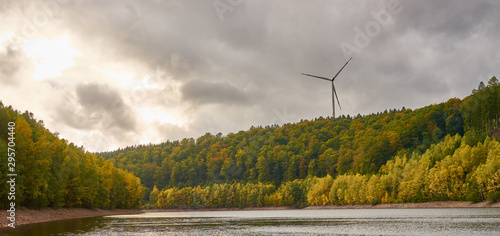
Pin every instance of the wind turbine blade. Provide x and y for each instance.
(335, 92)
(319, 77)
(341, 69)
(333, 101)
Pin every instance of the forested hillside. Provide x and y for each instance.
(449, 171)
(343, 154)
(292, 151)
(50, 172)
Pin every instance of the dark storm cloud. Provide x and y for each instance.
(201, 92)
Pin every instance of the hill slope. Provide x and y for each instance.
(50, 172)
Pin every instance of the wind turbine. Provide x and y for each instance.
(334, 92)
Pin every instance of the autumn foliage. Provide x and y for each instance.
(448, 171)
(52, 172)
(445, 151)
(442, 152)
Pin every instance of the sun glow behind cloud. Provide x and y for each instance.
(4, 38)
(50, 57)
(125, 79)
(156, 119)
(159, 116)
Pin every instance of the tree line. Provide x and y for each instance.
(51, 172)
(482, 109)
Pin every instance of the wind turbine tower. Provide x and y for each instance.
(334, 92)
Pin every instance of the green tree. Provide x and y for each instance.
(263, 169)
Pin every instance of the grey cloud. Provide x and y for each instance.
(450, 18)
(201, 92)
(272, 43)
(10, 62)
(249, 64)
(99, 97)
(152, 33)
(102, 101)
(96, 106)
(4, 5)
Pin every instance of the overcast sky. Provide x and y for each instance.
(108, 74)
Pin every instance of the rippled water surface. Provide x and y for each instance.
(460, 221)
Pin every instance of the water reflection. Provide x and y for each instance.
(63, 227)
(485, 221)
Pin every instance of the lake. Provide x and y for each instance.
(448, 221)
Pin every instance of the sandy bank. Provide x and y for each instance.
(26, 216)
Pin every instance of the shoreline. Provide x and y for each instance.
(29, 216)
(419, 205)
(221, 209)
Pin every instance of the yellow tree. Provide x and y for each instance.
(487, 175)
(374, 190)
(134, 190)
(89, 180)
(73, 189)
(40, 162)
(411, 187)
(106, 184)
(319, 193)
(25, 181)
(153, 196)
